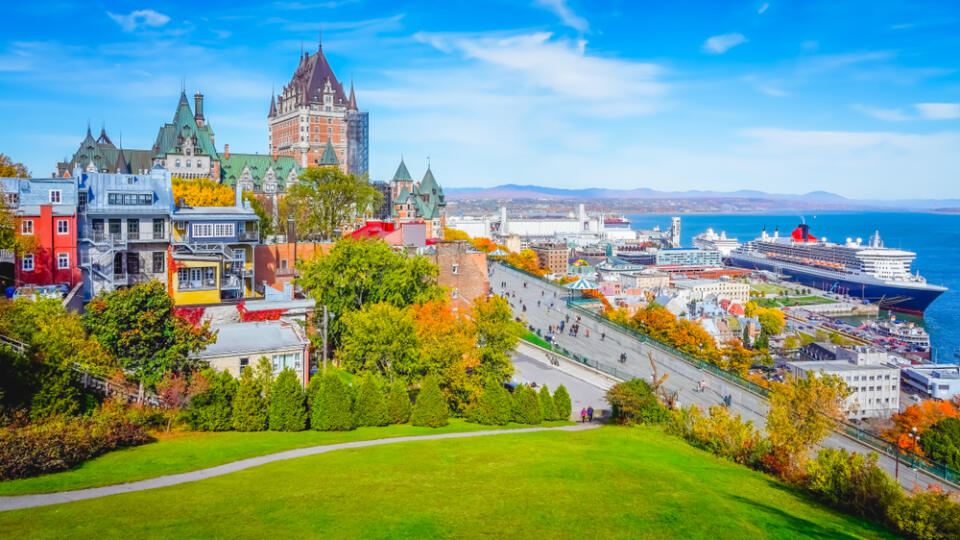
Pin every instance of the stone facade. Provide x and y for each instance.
(463, 270)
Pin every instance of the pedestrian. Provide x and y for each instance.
(590, 413)
(588, 332)
(583, 415)
(603, 336)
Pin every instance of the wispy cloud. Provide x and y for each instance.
(723, 43)
(565, 13)
(763, 8)
(889, 115)
(139, 19)
(939, 111)
(298, 6)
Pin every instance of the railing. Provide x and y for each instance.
(934, 468)
(249, 236)
(18, 346)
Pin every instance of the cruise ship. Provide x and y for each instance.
(869, 271)
(719, 242)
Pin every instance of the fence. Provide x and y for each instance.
(933, 467)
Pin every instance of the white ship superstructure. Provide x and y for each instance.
(714, 241)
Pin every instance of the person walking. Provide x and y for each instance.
(590, 413)
(588, 332)
(583, 415)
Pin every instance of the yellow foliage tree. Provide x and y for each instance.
(202, 192)
(454, 234)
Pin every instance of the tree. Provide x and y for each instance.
(263, 374)
(930, 515)
(497, 335)
(430, 408)
(11, 169)
(852, 482)
(212, 409)
(526, 406)
(561, 400)
(771, 320)
(266, 226)
(381, 339)
(447, 349)
(635, 401)
(548, 410)
(325, 199)
(494, 406)
(249, 405)
(202, 192)
(802, 412)
(333, 408)
(287, 411)
(138, 325)
(920, 417)
(359, 272)
(791, 343)
(370, 405)
(736, 358)
(454, 234)
(941, 442)
(527, 261)
(398, 403)
(58, 393)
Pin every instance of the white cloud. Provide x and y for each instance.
(723, 43)
(889, 115)
(566, 14)
(939, 111)
(764, 7)
(139, 18)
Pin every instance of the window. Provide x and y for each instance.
(118, 264)
(12, 198)
(82, 201)
(188, 163)
(63, 261)
(224, 229)
(158, 228)
(158, 261)
(55, 196)
(244, 362)
(27, 263)
(133, 229)
(178, 163)
(26, 226)
(288, 360)
(129, 199)
(454, 293)
(202, 230)
(210, 276)
(197, 278)
(329, 120)
(456, 269)
(283, 264)
(133, 263)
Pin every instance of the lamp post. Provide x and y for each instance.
(915, 440)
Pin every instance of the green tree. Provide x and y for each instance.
(430, 409)
(852, 482)
(494, 406)
(929, 515)
(287, 411)
(263, 374)
(58, 392)
(266, 227)
(211, 410)
(635, 401)
(526, 406)
(497, 335)
(333, 408)
(359, 272)
(561, 400)
(249, 405)
(381, 338)
(941, 442)
(370, 404)
(398, 403)
(548, 410)
(139, 327)
(324, 199)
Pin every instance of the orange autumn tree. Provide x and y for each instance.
(593, 293)
(202, 192)
(527, 261)
(447, 344)
(483, 245)
(920, 416)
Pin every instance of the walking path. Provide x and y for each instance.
(46, 499)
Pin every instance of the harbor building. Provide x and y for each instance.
(937, 381)
(875, 387)
(688, 257)
(701, 289)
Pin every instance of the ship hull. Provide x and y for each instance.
(901, 298)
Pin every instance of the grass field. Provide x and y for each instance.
(182, 452)
(536, 340)
(793, 301)
(768, 288)
(604, 483)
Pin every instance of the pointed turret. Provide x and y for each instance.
(89, 135)
(103, 139)
(353, 97)
(402, 174)
(122, 165)
(273, 106)
(429, 183)
(329, 156)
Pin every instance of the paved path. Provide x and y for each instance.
(523, 292)
(46, 499)
(582, 394)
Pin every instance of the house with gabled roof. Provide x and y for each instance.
(422, 201)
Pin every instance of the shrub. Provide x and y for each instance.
(852, 483)
(249, 405)
(332, 409)
(561, 400)
(721, 434)
(941, 442)
(60, 442)
(526, 406)
(633, 401)
(493, 407)
(58, 393)
(370, 406)
(398, 403)
(211, 409)
(548, 411)
(287, 410)
(430, 409)
(927, 515)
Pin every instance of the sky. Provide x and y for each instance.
(856, 98)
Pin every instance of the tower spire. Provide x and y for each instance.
(319, 40)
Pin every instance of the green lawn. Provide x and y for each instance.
(536, 340)
(190, 451)
(793, 301)
(605, 483)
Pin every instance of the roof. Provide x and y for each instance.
(837, 365)
(329, 156)
(215, 212)
(253, 338)
(35, 192)
(98, 185)
(184, 125)
(402, 174)
(105, 156)
(309, 79)
(231, 168)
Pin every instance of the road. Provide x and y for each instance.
(582, 394)
(606, 343)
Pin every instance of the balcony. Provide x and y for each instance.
(248, 236)
(144, 236)
(197, 285)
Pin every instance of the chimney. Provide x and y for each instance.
(226, 151)
(198, 108)
(274, 153)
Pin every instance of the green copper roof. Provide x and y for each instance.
(429, 184)
(329, 156)
(184, 126)
(231, 169)
(402, 174)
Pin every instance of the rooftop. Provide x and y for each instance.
(253, 338)
(837, 365)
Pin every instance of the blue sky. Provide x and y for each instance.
(857, 98)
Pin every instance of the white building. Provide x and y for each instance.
(700, 289)
(876, 388)
(240, 345)
(939, 381)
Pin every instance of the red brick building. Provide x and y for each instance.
(463, 270)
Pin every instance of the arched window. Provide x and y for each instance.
(178, 163)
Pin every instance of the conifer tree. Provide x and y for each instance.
(430, 409)
(561, 400)
(249, 405)
(548, 411)
(398, 403)
(370, 405)
(333, 407)
(494, 406)
(287, 410)
(211, 410)
(526, 406)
